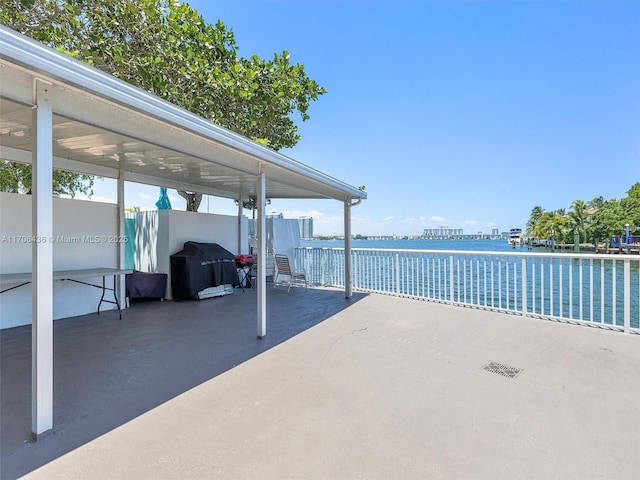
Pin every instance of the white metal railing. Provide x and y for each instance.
(590, 288)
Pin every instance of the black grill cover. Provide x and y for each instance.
(201, 265)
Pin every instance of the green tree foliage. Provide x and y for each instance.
(596, 202)
(550, 225)
(631, 206)
(16, 178)
(166, 48)
(607, 220)
(595, 220)
(536, 212)
(578, 218)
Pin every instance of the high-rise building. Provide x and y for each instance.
(442, 232)
(306, 228)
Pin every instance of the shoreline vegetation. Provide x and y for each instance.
(594, 222)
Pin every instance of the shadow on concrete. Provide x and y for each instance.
(107, 372)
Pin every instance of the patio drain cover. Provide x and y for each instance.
(502, 369)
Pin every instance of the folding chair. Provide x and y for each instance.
(283, 268)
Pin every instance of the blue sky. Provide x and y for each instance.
(458, 113)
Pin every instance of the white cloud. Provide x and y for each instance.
(316, 214)
(435, 218)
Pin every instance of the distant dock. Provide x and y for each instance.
(633, 249)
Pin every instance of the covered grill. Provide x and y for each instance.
(199, 266)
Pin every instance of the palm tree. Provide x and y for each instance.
(550, 225)
(578, 217)
(596, 202)
(535, 215)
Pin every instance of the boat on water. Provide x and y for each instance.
(516, 239)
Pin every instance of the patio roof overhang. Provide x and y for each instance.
(59, 113)
(105, 126)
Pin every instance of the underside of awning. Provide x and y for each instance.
(104, 126)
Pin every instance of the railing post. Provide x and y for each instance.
(451, 279)
(397, 273)
(354, 269)
(627, 295)
(523, 286)
(323, 262)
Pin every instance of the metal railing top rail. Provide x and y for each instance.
(560, 254)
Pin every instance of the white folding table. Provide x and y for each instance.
(20, 279)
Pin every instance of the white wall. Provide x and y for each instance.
(283, 236)
(286, 236)
(203, 227)
(73, 219)
(161, 233)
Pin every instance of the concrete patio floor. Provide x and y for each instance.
(375, 387)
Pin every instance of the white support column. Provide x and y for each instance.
(42, 263)
(122, 231)
(261, 230)
(240, 247)
(348, 285)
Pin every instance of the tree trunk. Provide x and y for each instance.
(193, 200)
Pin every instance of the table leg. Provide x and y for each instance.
(115, 296)
(102, 297)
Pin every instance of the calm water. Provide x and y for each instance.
(476, 245)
